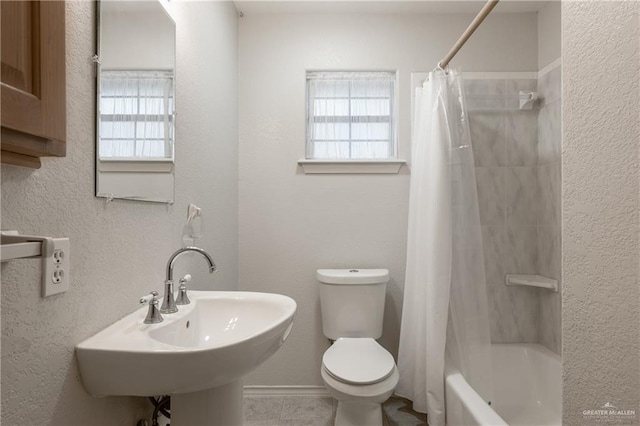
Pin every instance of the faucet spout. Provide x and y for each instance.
(168, 300)
(174, 257)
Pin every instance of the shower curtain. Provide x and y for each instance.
(445, 311)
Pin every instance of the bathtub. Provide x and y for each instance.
(527, 383)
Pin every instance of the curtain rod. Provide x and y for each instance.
(468, 32)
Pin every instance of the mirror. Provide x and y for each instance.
(135, 121)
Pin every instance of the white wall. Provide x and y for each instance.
(600, 207)
(118, 250)
(549, 34)
(207, 135)
(292, 224)
(136, 35)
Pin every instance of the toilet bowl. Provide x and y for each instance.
(361, 375)
(356, 370)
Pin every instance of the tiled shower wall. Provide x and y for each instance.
(549, 218)
(517, 155)
(504, 141)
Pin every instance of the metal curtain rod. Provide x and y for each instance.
(468, 32)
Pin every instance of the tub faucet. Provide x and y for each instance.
(168, 301)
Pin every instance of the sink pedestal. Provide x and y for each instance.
(221, 406)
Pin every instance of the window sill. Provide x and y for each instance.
(139, 165)
(351, 166)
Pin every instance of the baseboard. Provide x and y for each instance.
(317, 391)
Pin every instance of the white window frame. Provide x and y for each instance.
(354, 165)
(141, 162)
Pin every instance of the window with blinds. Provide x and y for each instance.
(351, 115)
(136, 114)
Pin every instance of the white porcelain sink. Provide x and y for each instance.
(212, 342)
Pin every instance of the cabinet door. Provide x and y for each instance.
(33, 81)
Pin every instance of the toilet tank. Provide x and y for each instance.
(352, 301)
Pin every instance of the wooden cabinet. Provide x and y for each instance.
(33, 81)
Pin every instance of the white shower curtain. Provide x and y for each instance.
(445, 311)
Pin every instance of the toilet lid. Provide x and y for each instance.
(359, 361)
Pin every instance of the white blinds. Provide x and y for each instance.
(350, 115)
(136, 114)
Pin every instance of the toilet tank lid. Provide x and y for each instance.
(352, 276)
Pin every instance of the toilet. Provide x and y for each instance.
(356, 370)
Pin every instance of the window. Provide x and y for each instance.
(136, 114)
(351, 115)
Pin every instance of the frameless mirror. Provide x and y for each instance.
(135, 101)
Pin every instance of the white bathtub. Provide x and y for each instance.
(527, 383)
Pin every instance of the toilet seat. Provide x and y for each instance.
(358, 361)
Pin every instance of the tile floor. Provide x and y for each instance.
(318, 411)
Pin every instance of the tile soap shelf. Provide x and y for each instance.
(532, 281)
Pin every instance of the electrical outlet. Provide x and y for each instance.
(56, 270)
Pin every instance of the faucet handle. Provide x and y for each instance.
(182, 298)
(153, 315)
(150, 298)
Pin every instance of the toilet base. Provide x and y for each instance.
(358, 414)
(360, 405)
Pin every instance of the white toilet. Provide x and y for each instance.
(356, 370)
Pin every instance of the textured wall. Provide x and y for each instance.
(292, 224)
(118, 250)
(600, 203)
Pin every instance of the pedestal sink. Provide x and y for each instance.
(198, 355)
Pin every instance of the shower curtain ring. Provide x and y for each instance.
(439, 67)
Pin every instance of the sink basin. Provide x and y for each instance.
(214, 341)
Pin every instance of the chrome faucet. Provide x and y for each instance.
(153, 315)
(168, 301)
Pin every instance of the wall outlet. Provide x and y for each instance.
(56, 270)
